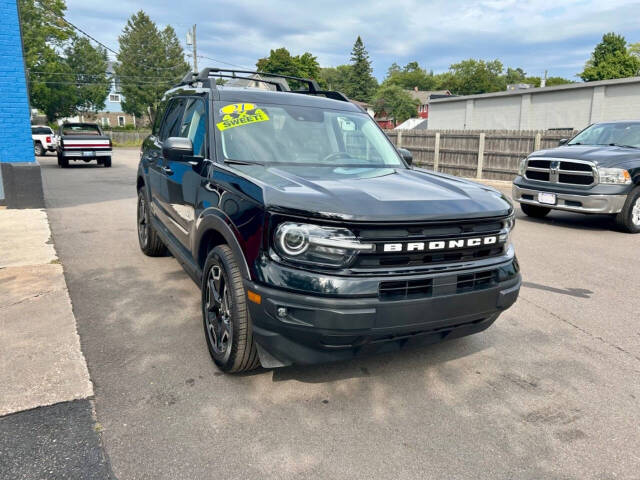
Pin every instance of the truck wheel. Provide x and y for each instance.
(534, 211)
(39, 149)
(63, 162)
(227, 326)
(629, 218)
(106, 161)
(150, 242)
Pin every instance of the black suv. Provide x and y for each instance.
(311, 236)
(597, 171)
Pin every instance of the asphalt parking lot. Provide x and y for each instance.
(551, 390)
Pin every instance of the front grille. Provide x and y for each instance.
(569, 172)
(444, 285)
(381, 235)
(403, 290)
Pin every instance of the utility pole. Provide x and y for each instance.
(191, 40)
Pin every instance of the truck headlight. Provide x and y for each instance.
(522, 167)
(317, 245)
(614, 175)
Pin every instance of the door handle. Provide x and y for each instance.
(167, 170)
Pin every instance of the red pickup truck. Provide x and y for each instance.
(83, 141)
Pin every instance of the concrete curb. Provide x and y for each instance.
(41, 362)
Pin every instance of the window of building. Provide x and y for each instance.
(114, 97)
(121, 121)
(104, 121)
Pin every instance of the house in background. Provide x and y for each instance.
(424, 96)
(365, 106)
(112, 114)
(386, 120)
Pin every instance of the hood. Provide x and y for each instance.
(604, 155)
(375, 194)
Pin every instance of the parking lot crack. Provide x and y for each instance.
(581, 329)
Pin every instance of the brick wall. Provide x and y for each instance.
(15, 132)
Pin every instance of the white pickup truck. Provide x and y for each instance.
(44, 140)
(83, 141)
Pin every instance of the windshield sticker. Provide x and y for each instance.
(238, 114)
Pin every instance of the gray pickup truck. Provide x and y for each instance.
(83, 141)
(597, 171)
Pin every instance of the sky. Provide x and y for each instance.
(535, 35)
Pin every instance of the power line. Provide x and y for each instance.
(109, 48)
(111, 76)
(219, 61)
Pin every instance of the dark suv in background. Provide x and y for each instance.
(597, 171)
(312, 238)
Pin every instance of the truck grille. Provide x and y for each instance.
(569, 172)
(382, 235)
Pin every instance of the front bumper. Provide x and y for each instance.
(572, 202)
(318, 329)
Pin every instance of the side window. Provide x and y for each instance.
(171, 125)
(159, 114)
(194, 125)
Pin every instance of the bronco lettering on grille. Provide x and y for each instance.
(441, 244)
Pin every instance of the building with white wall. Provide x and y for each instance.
(571, 106)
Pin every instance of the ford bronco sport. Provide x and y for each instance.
(597, 171)
(311, 236)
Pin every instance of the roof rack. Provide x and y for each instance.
(207, 77)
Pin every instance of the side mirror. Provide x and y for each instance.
(406, 155)
(562, 141)
(177, 149)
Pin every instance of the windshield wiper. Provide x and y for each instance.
(232, 161)
(623, 146)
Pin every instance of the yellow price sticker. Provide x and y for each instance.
(238, 114)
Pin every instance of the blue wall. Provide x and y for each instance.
(15, 120)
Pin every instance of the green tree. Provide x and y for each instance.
(150, 62)
(362, 84)
(470, 77)
(395, 101)
(410, 76)
(551, 81)
(53, 89)
(42, 30)
(89, 65)
(611, 59)
(281, 61)
(335, 78)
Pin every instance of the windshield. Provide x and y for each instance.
(294, 135)
(41, 131)
(623, 134)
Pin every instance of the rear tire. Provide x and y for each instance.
(106, 161)
(534, 210)
(628, 220)
(148, 238)
(227, 325)
(63, 162)
(39, 149)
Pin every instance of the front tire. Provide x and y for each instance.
(227, 325)
(628, 220)
(534, 210)
(148, 238)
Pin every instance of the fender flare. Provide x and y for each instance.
(216, 220)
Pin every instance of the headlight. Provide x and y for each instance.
(522, 167)
(614, 175)
(317, 245)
